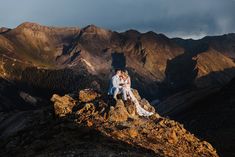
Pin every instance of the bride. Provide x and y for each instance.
(127, 87)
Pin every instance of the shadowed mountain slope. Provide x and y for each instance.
(213, 118)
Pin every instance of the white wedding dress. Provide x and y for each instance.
(141, 111)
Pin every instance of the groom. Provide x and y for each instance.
(116, 86)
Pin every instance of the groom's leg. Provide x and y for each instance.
(124, 94)
(115, 93)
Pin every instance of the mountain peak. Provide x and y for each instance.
(94, 29)
(36, 27)
(91, 30)
(91, 26)
(132, 33)
(29, 25)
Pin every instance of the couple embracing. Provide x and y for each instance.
(121, 84)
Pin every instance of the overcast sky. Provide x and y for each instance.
(181, 18)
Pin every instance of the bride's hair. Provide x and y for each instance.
(125, 74)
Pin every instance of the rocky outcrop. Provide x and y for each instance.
(118, 113)
(162, 136)
(29, 130)
(88, 95)
(63, 105)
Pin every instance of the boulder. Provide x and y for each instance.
(133, 132)
(130, 106)
(88, 95)
(63, 105)
(118, 113)
(28, 98)
(172, 137)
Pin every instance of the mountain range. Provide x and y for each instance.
(180, 77)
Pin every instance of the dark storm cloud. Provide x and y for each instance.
(184, 18)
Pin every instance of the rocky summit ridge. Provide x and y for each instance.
(119, 121)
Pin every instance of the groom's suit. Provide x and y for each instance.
(115, 88)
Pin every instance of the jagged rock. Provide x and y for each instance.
(162, 136)
(172, 137)
(131, 108)
(85, 113)
(119, 112)
(63, 105)
(133, 132)
(88, 95)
